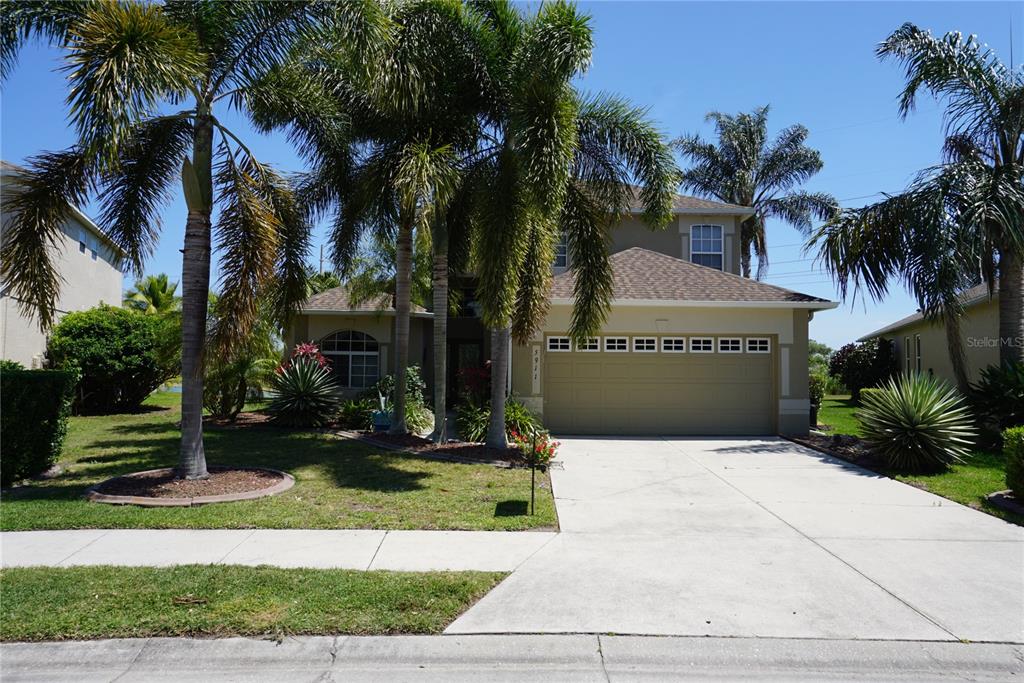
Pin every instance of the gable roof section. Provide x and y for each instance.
(970, 297)
(647, 277)
(686, 204)
(337, 300)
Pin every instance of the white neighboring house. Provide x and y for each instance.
(89, 263)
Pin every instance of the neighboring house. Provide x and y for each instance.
(89, 264)
(921, 346)
(689, 347)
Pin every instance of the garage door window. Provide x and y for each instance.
(758, 345)
(702, 345)
(729, 345)
(591, 344)
(645, 344)
(616, 344)
(673, 345)
(558, 344)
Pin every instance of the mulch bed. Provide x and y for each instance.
(240, 421)
(453, 449)
(845, 447)
(162, 484)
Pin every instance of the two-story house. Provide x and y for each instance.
(689, 348)
(89, 263)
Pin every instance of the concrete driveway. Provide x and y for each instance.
(757, 538)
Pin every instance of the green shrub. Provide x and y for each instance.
(472, 420)
(357, 414)
(415, 386)
(917, 424)
(34, 408)
(869, 391)
(865, 364)
(122, 356)
(306, 394)
(1013, 449)
(816, 389)
(418, 417)
(8, 365)
(998, 399)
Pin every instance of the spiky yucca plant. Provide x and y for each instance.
(917, 423)
(306, 394)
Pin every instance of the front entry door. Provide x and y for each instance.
(461, 355)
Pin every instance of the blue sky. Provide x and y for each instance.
(813, 63)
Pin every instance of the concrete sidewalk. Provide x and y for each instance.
(506, 658)
(341, 549)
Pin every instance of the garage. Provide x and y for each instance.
(693, 385)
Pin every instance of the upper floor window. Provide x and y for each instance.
(561, 252)
(354, 356)
(706, 245)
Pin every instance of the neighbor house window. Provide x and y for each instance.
(706, 245)
(729, 345)
(561, 252)
(354, 356)
(917, 352)
(616, 344)
(645, 344)
(673, 344)
(702, 345)
(558, 344)
(590, 344)
(758, 345)
(906, 354)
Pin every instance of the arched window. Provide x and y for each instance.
(354, 356)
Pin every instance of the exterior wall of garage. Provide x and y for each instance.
(786, 327)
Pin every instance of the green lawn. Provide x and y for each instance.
(130, 602)
(340, 484)
(968, 483)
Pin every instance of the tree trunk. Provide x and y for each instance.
(197, 182)
(440, 335)
(957, 358)
(1011, 307)
(744, 258)
(496, 437)
(403, 282)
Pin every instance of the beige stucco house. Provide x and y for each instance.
(921, 345)
(689, 347)
(90, 265)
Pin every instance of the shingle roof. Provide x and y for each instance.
(337, 299)
(682, 203)
(969, 297)
(641, 274)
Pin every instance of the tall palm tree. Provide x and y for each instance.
(153, 294)
(961, 221)
(131, 67)
(744, 168)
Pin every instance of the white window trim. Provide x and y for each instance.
(739, 343)
(554, 338)
(906, 355)
(766, 340)
(597, 345)
(561, 245)
(719, 253)
(691, 340)
(634, 340)
(622, 350)
(673, 339)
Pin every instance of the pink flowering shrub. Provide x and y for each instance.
(305, 351)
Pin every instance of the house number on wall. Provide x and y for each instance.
(536, 369)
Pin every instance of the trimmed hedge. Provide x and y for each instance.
(34, 409)
(1013, 449)
(872, 391)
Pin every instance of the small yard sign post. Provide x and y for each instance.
(533, 470)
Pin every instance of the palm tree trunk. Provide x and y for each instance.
(440, 334)
(496, 437)
(745, 258)
(403, 282)
(1011, 307)
(957, 358)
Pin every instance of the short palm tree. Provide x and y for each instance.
(960, 222)
(153, 294)
(147, 82)
(321, 282)
(744, 168)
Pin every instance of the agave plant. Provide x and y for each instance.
(917, 423)
(999, 397)
(306, 394)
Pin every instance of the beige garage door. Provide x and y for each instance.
(659, 393)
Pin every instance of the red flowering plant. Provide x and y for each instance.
(475, 383)
(540, 452)
(305, 351)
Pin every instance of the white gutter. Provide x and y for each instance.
(729, 211)
(678, 303)
(349, 312)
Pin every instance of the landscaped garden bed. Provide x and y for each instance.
(458, 450)
(162, 487)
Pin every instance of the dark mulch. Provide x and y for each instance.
(454, 449)
(240, 421)
(162, 484)
(848, 448)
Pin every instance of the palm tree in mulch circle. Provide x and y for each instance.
(743, 167)
(960, 222)
(153, 294)
(147, 83)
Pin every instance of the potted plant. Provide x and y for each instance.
(382, 417)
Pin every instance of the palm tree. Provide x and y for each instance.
(321, 282)
(959, 222)
(153, 294)
(129, 63)
(744, 168)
